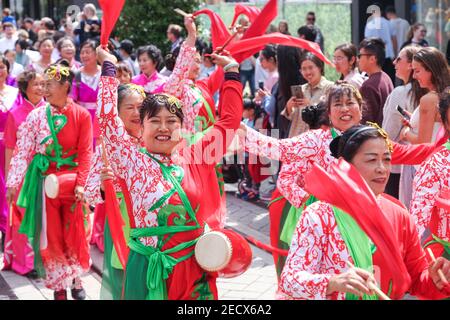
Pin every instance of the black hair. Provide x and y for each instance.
(23, 44)
(154, 103)
(314, 59)
(315, 115)
(23, 80)
(348, 144)
(64, 78)
(123, 91)
(288, 68)
(340, 89)
(308, 32)
(5, 62)
(349, 50)
(123, 67)
(270, 51)
(46, 39)
(444, 105)
(248, 103)
(89, 43)
(153, 52)
(375, 46)
(171, 58)
(390, 9)
(49, 24)
(127, 46)
(28, 20)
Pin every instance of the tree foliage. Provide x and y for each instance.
(146, 21)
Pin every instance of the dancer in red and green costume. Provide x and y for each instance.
(327, 238)
(54, 138)
(431, 188)
(129, 102)
(169, 182)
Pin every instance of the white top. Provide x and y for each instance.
(415, 120)
(260, 74)
(392, 119)
(7, 44)
(379, 27)
(16, 69)
(272, 78)
(7, 98)
(400, 27)
(355, 78)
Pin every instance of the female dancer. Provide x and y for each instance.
(45, 48)
(150, 59)
(170, 210)
(18, 254)
(58, 139)
(327, 237)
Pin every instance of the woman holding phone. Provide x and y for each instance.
(312, 69)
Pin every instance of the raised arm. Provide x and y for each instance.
(84, 149)
(119, 147)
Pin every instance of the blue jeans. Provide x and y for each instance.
(248, 76)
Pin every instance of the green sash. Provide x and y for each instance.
(161, 263)
(295, 213)
(30, 196)
(358, 243)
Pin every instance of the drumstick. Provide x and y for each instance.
(11, 215)
(181, 12)
(373, 286)
(104, 157)
(440, 273)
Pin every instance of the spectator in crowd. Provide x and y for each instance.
(310, 21)
(174, 33)
(123, 73)
(47, 25)
(406, 96)
(313, 70)
(283, 27)
(21, 48)
(307, 33)
(10, 38)
(268, 59)
(399, 26)
(14, 68)
(125, 52)
(7, 17)
(416, 35)
(67, 50)
(379, 27)
(169, 62)
(150, 60)
(379, 85)
(89, 27)
(345, 59)
(45, 48)
(28, 27)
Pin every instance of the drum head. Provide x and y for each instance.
(51, 186)
(213, 251)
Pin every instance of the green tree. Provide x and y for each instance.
(146, 21)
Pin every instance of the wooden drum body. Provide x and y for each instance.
(60, 185)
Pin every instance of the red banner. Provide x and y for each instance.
(249, 11)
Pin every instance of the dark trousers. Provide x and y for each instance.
(248, 76)
(393, 184)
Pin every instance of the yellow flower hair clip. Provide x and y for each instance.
(137, 88)
(383, 133)
(173, 102)
(57, 71)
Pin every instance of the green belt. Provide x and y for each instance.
(444, 243)
(160, 263)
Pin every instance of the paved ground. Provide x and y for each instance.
(258, 282)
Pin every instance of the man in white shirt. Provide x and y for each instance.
(399, 26)
(9, 39)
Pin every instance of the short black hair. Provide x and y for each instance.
(153, 52)
(23, 81)
(89, 43)
(127, 46)
(154, 103)
(375, 46)
(270, 51)
(5, 62)
(390, 9)
(49, 24)
(23, 44)
(308, 32)
(28, 20)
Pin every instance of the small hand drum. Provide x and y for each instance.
(223, 251)
(60, 185)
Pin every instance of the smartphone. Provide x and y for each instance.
(297, 92)
(403, 113)
(261, 85)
